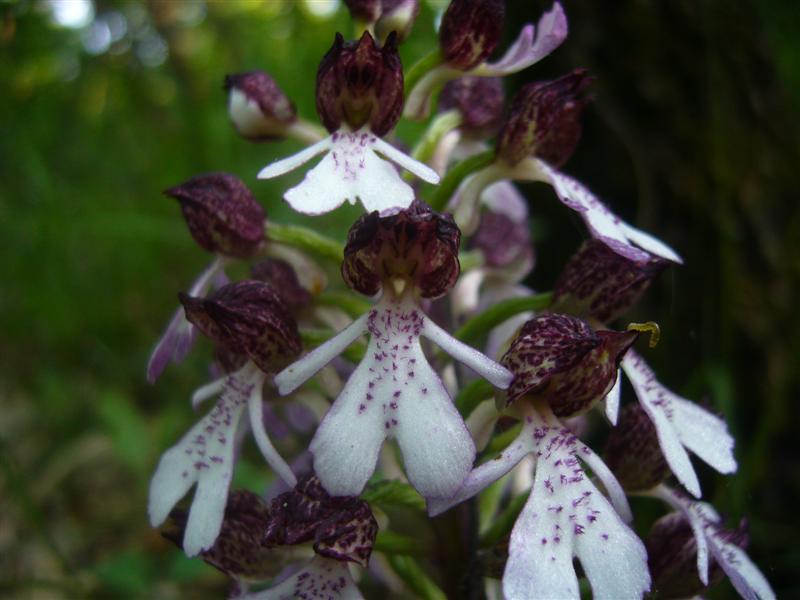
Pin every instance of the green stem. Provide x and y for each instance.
(440, 125)
(305, 239)
(420, 68)
(414, 577)
(471, 395)
(447, 187)
(504, 522)
(494, 315)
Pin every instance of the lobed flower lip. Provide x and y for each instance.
(470, 31)
(221, 213)
(544, 119)
(600, 283)
(479, 100)
(560, 359)
(415, 243)
(360, 84)
(257, 106)
(249, 317)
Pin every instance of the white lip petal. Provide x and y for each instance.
(320, 578)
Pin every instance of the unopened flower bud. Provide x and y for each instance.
(283, 279)
(221, 214)
(672, 557)
(367, 11)
(479, 100)
(502, 240)
(247, 317)
(341, 527)
(633, 453)
(398, 16)
(600, 283)
(544, 120)
(470, 31)
(415, 245)
(359, 83)
(257, 107)
(559, 359)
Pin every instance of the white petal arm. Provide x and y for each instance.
(614, 490)
(493, 372)
(271, 455)
(486, 474)
(680, 504)
(290, 163)
(207, 391)
(300, 371)
(419, 169)
(611, 401)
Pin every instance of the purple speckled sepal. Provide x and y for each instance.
(544, 120)
(470, 31)
(416, 243)
(560, 359)
(360, 83)
(601, 283)
(247, 317)
(221, 213)
(340, 527)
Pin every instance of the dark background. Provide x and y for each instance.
(693, 137)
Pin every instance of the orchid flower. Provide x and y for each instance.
(394, 392)
(247, 316)
(470, 31)
(358, 115)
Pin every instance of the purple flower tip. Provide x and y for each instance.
(470, 31)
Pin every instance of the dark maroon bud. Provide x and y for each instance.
(470, 31)
(249, 318)
(502, 240)
(257, 107)
(672, 557)
(544, 120)
(221, 214)
(228, 360)
(559, 359)
(237, 552)
(397, 16)
(281, 276)
(366, 11)
(479, 100)
(360, 84)
(633, 453)
(600, 283)
(341, 527)
(415, 245)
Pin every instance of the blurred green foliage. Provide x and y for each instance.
(694, 136)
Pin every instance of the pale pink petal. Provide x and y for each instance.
(531, 46)
(657, 404)
(321, 578)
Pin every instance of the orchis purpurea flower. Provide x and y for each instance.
(634, 453)
(359, 100)
(540, 133)
(394, 393)
(225, 219)
(247, 318)
(470, 31)
(565, 516)
(259, 538)
(690, 549)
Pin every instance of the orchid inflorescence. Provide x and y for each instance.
(506, 456)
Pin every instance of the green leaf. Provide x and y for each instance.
(385, 494)
(393, 543)
(127, 429)
(494, 315)
(414, 577)
(471, 395)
